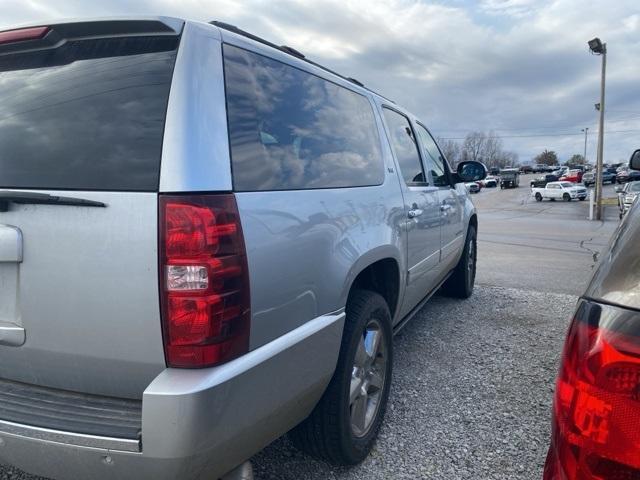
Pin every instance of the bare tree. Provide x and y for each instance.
(473, 146)
(487, 148)
(450, 149)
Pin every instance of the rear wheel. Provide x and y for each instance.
(566, 197)
(344, 425)
(538, 197)
(460, 283)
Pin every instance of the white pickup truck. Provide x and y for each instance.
(566, 191)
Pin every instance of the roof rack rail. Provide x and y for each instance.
(288, 50)
(292, 51)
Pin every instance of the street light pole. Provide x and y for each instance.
(585, 130)
(600, 48)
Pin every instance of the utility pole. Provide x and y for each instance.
(600, 48)
(585, 130)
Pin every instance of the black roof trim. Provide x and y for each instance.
(58, 33)
(290, 51)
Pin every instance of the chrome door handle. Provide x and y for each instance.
(416, 212)
(445, 207)
(11, 335)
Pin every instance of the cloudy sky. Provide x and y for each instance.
(519, 67)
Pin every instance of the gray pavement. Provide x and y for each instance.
(473, 379)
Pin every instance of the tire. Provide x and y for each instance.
(460, 283)
(566, 197)
(538, 197)
(332, 432)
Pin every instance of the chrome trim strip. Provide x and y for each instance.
(69, 438)
(423, 266)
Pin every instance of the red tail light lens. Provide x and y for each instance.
(205, 281)
(23, 34)
(596, 424)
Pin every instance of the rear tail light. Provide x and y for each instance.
(23, 34)
(596, 412)
(204, 280)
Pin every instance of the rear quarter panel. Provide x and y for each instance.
(305, 248)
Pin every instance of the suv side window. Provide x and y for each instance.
(435, 161)
(290, 129)
(404, 146)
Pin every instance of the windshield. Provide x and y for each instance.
(88, 115)
(567, 184)
(634, 187)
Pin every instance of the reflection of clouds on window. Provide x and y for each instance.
(325, 135)
(92, 122)
(404, 147)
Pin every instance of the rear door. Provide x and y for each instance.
(82, 119)
(450, 203)
(421, 209)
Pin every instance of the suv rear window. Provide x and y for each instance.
(289, 129)
(88, 115)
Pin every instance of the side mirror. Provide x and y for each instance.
(634, 162)
(471, 171)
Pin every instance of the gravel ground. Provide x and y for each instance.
(470, 397)
(471, 394)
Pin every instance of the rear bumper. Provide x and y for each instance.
(196, 423)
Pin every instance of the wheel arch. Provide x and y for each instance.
(378, 270)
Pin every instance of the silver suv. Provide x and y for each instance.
(206, 241)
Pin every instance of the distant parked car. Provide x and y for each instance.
(542, 180)
(589, 178)
(596, 412)
(509, 178)
(526, 169)
(574, 176)
(494, 171)
(625, 176)
(491, 181)
(627, 195)
(472, 187)
(560, 171)
(566, 191)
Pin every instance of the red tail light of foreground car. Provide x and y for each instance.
(596, 411)
(204, 280)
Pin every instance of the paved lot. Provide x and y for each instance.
(473, 379)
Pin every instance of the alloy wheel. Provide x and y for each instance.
(368, 378)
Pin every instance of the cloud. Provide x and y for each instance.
(515, 66)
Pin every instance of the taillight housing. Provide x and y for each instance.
(204, 280)
(596, 410)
